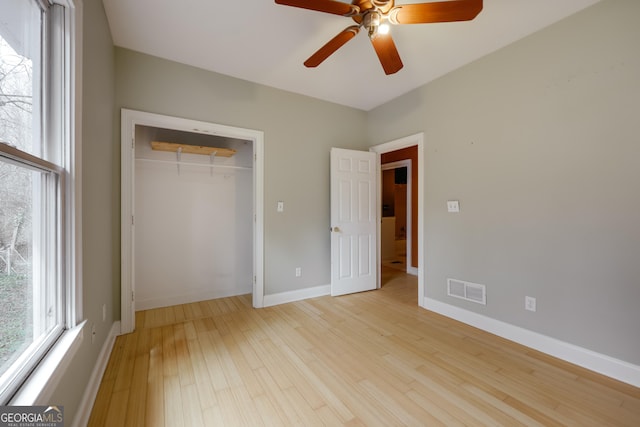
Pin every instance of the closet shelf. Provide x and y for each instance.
(192, 149)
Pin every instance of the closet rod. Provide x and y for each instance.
(206, 165)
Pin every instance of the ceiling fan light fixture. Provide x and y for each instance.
(384, 28)
(371, 21)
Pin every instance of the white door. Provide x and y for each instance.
(353, 221)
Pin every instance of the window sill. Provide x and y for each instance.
(42, 382)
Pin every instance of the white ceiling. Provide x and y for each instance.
(266, 43)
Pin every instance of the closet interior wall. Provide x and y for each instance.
(193, 220)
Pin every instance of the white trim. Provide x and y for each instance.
(127, 185)
(131, 118)
(74, 197)
(44, 380)
(409, 206)
(258, 225)
(412, 270)
(297, 295)
(177, 299)
(91, 390)
(409, 141)
(600, 363)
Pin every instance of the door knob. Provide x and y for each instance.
(336, 229)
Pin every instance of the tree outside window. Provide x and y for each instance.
(31, 286)
(16, 124)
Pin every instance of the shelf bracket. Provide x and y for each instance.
(212, 157)
(178, 158)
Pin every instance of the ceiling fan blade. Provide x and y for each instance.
(334, 44)
(387, 53)
(443, 11)
(328, 6)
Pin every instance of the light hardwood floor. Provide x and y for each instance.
(373, 359)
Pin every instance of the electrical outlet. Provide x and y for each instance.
(453, 206)
(298, 271)
(530, 303)
(280, 207)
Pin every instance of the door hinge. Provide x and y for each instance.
(133, 296)
(133, 221)
(255, 279)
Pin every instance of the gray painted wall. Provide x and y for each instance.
(540, 144)
(100, 204)
(298, 133)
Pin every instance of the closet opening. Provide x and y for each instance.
(194, 217)
(193, 193)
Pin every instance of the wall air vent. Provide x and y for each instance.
(467, 291)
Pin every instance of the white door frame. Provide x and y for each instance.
(409, 229)
(131, 118)
(407, 141)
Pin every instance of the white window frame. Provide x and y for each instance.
(47, 209)
(61, 121)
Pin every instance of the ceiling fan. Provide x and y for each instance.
(376, 15)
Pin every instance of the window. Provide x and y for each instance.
(35, 147)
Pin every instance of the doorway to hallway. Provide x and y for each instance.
(391, 152)
(397, 219)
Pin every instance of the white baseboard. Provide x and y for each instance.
(412, 270)
(291, 296)
(166, 301)
(91, 391)
(600, 363)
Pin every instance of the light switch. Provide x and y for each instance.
(453, 206)
(280, 207)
